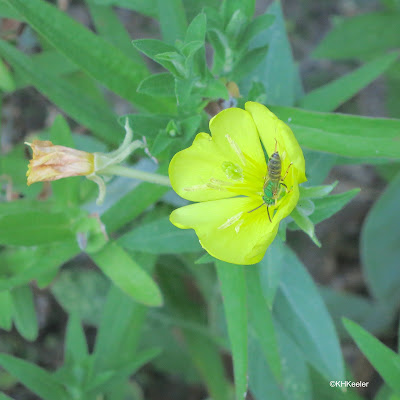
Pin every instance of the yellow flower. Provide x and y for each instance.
(50, 162)
(225, 174)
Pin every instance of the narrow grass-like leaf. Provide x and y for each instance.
(129, 276)
(346, 135)
(34, 378)
(123, 371)
(96, 56)
(6, 310)
(260, 317)
(233, 289)
(386, 361)
(69, 98)
(333, 94)
(306, 318)
(75, 341)
(46, 60)
(365, 35)
(330, 205)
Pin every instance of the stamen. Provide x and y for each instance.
(236, 149)
(237, 227)
(231, 221)
(196, 188)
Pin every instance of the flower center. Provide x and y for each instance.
(232, 171)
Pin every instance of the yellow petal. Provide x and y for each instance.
(227, 230)
(191, 169)
(271, 128)
(203, 172)
(235, 133)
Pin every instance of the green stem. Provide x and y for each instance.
(119, 170)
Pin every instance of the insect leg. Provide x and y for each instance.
(287, 171)
(270, 220)
(254, 209)
(286, 188)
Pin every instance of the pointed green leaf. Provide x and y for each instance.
(305, 224)
(256, 26)
(76, 349)
(196, 31)
(365, 35)
(158, 85)
(327, 206)
(233, 290)
(333, 94)
(248, 63)
(316, 192)
(24, 313)
(127, 274)
(386, 361)
(346, 135)
(260, 318)
(380, 251)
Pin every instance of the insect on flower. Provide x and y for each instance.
(227, 176)
(273, 181)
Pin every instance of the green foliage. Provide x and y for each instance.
(384, 360)
(333, 94)
(363, 36)
(141, 282)
(379, 249)
(233, 289)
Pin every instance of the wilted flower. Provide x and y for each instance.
(227, 175)
(51, 162)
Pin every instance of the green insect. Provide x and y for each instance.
(273, 181)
